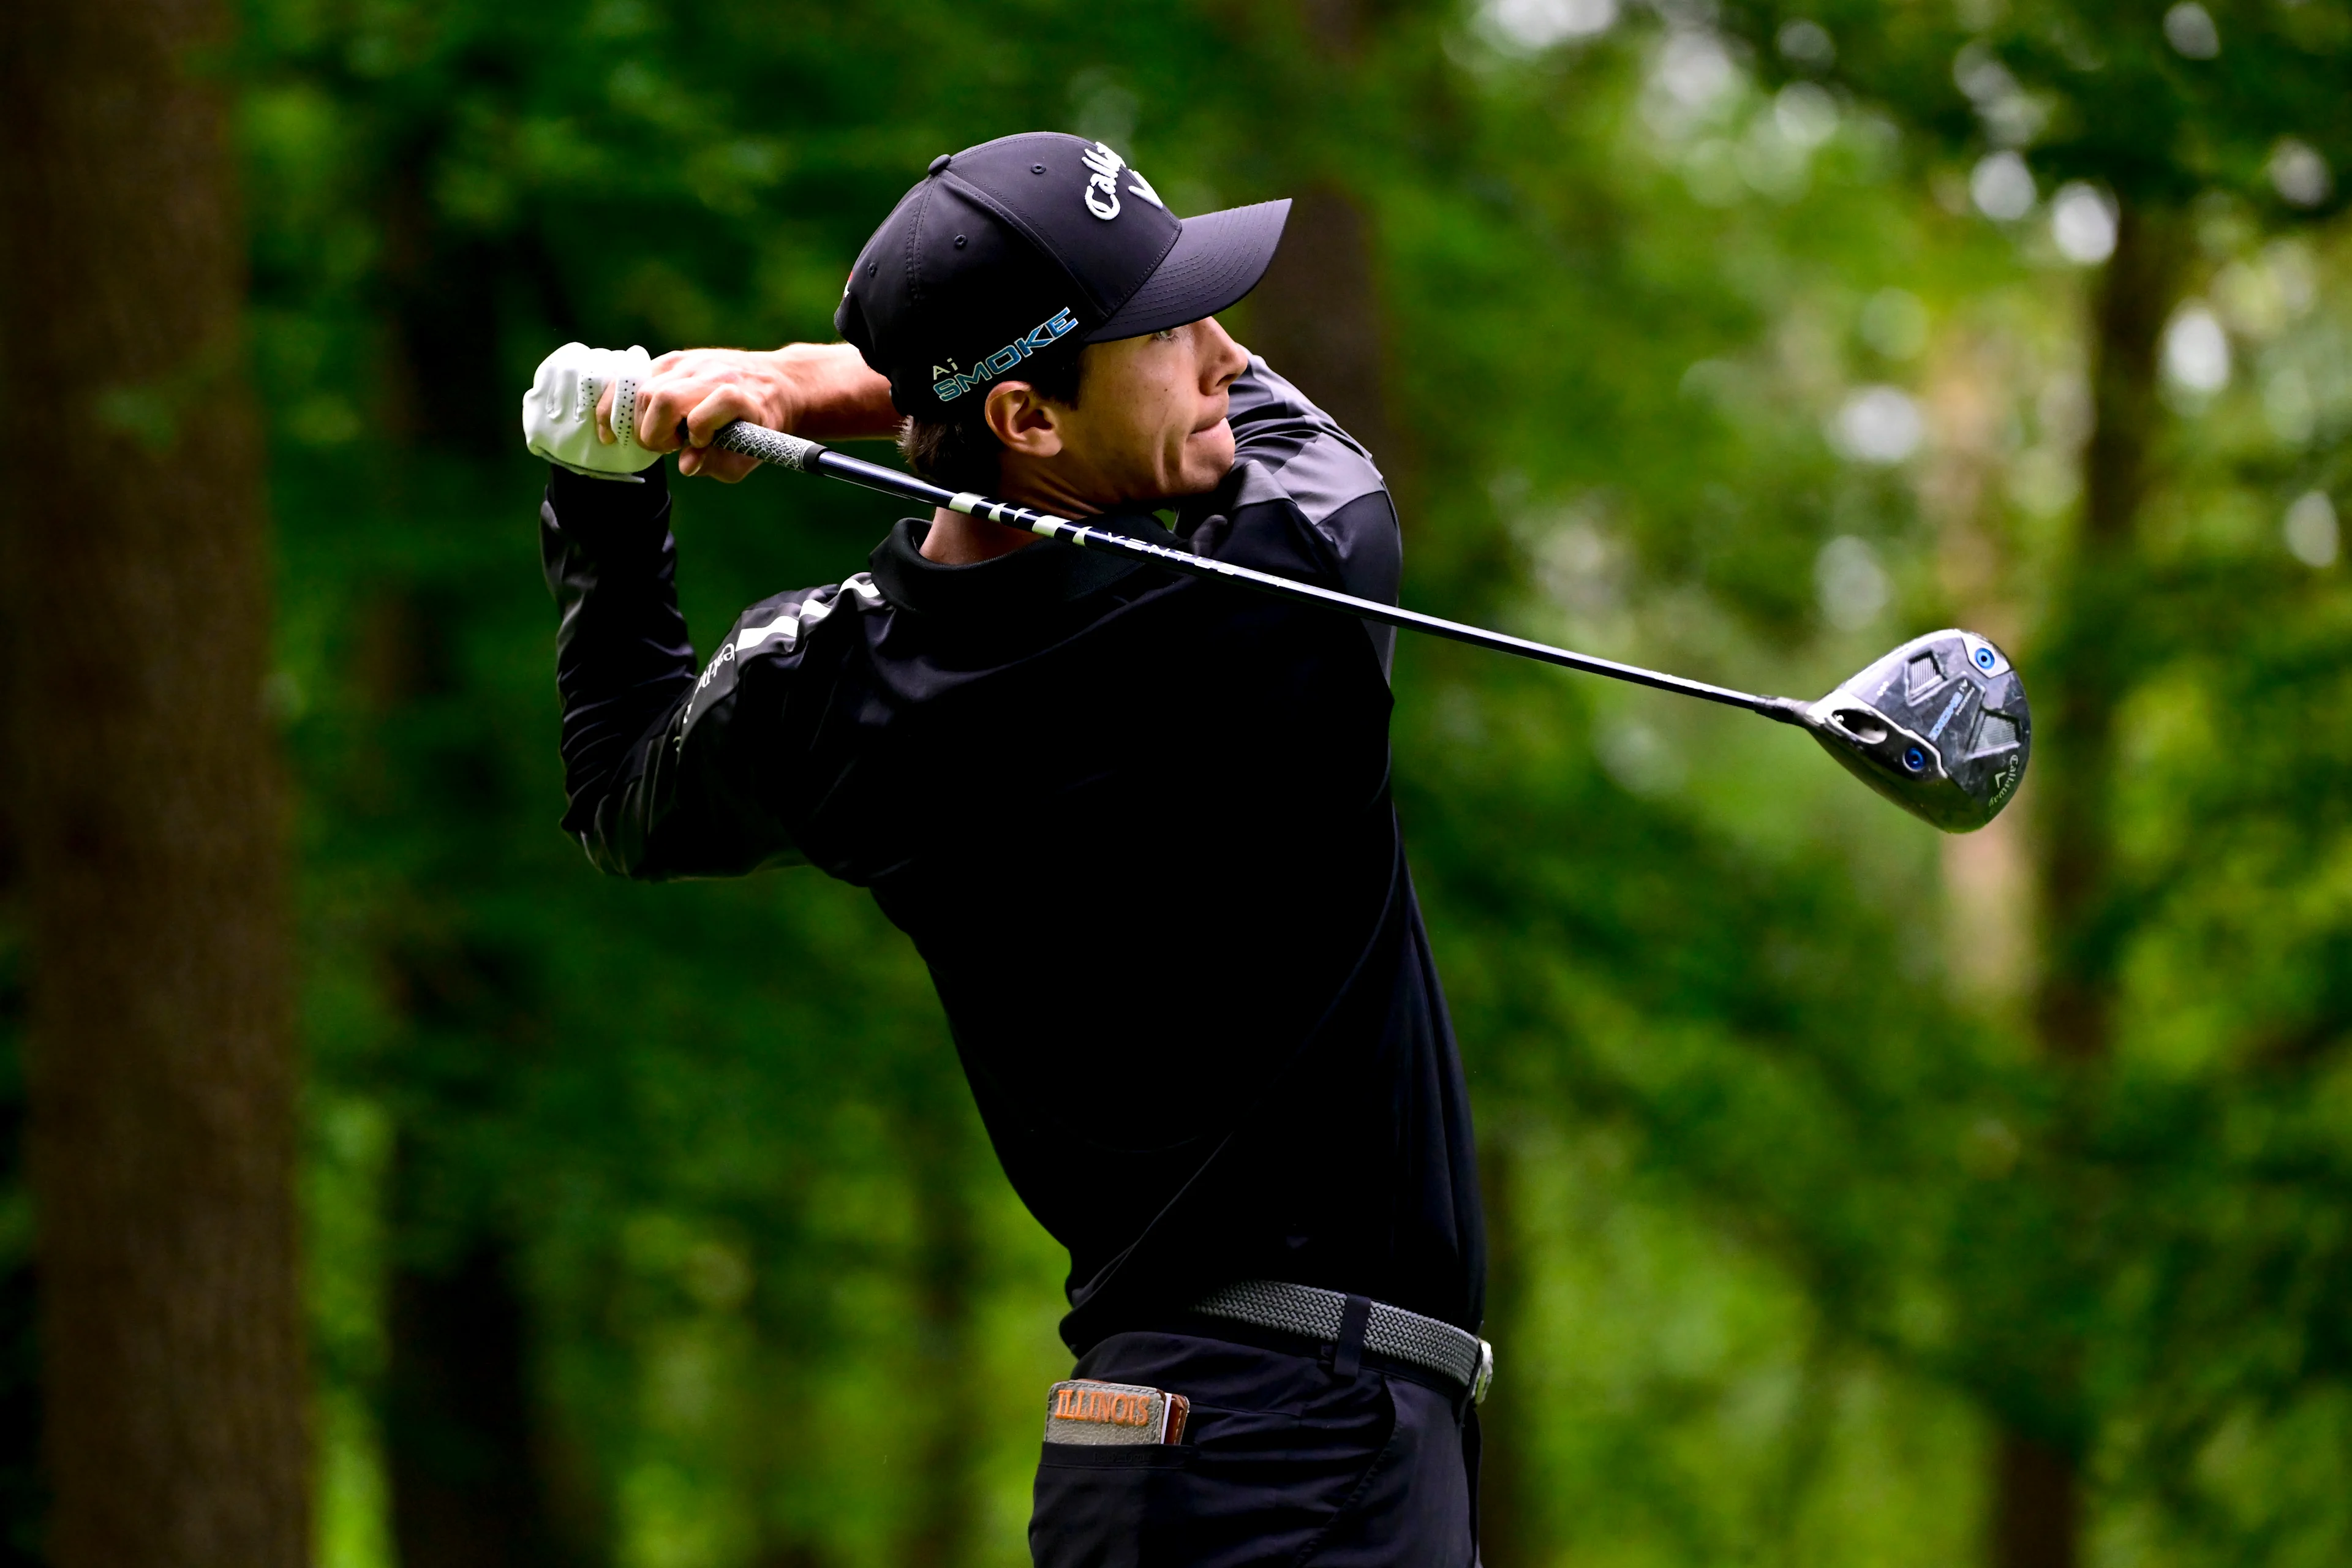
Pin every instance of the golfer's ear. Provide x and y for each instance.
(1025, 422)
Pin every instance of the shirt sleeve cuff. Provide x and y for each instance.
(599, 512)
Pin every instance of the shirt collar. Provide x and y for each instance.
(1046, 573)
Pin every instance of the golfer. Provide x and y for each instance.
(1138, 825)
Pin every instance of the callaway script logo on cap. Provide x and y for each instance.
(1036, 243)
(1102, 189)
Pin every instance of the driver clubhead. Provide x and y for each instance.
(1939, 727)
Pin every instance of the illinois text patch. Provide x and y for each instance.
(1083, 1411)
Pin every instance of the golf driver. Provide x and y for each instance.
(1939, 726)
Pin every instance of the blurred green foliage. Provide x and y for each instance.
(650, 1225)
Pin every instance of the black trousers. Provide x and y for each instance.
(1285, 1461)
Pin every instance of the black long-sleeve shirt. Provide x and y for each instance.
(1177, 944)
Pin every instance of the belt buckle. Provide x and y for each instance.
(1485, 1374)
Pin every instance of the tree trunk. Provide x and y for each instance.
(24, 1500)
(475, 1476)
(161, 1073)
(468, 1484)
(2037, 1505)
(2082, 679)
(2088, 656)
(944, 1513)
(1510, 1525)
(1316, 316)
(24, 1497)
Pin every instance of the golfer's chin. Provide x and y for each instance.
(1206, 459)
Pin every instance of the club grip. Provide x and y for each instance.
(768, 445)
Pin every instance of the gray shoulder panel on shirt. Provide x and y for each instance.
(1286, 448)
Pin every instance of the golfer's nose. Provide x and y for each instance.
(1222, 359)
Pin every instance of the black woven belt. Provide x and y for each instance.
(1391, 1332)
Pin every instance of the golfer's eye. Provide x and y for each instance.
(1164, 335)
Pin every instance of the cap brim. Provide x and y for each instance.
(1216, 260)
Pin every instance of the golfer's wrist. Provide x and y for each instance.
(826, 391)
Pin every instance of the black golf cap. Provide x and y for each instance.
(1030, 244)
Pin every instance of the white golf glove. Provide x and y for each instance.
(559, 412)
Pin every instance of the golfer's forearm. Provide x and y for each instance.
(622, 660)
(838, 397)
(646, 799)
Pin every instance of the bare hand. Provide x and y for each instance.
(690, 394)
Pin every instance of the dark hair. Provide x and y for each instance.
(961, 451)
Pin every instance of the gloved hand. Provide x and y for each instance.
(559, 412)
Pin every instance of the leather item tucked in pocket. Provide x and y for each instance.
(1087, 1412)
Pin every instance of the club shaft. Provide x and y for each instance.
(809, 457)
